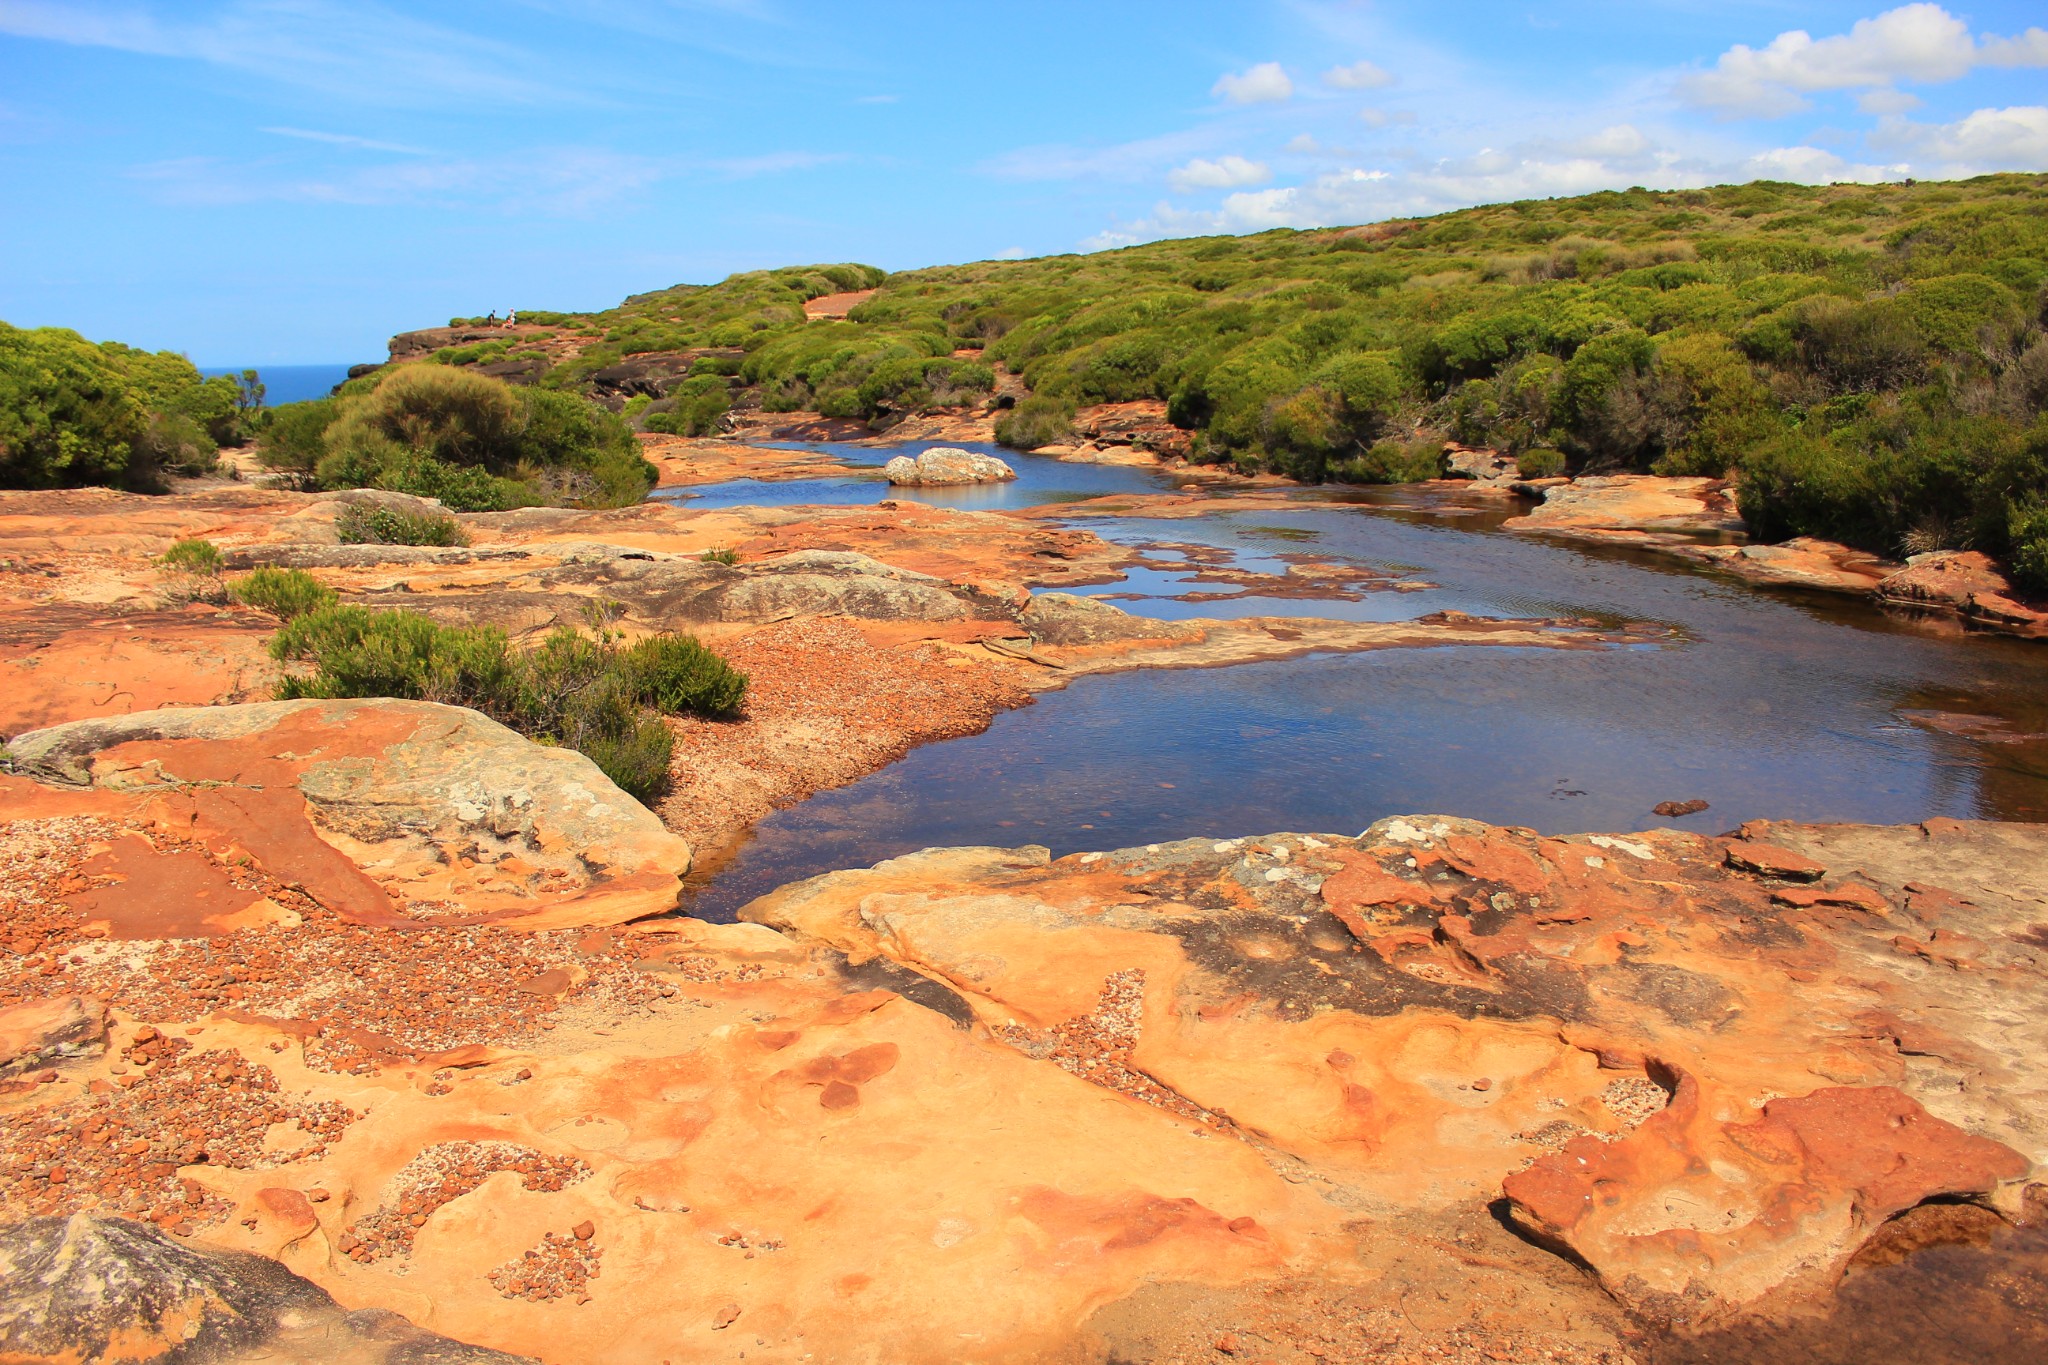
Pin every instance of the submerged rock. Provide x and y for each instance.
(942, 466)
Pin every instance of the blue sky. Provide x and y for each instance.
(290, 181)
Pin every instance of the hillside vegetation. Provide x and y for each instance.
(1869, 359)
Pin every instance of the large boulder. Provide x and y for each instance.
(111, 1290)
(370, 806)
(944, 466)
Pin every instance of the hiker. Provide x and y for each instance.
(511, 316)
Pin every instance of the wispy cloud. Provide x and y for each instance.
(1357, 76)
(879, 99)
(358, 51)
(550, 181)
(773, 163)
(348, 140)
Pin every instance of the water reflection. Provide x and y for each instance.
(1777, 704)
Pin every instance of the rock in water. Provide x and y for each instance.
(110, 1290)
(947, 465)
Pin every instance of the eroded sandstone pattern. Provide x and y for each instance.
(1269, 1098)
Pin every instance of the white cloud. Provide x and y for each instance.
(1011, 253)
(1266, 83)
(1304, 143)
(1380, 118)
(1357, 76)
(1989, 140)
(348, 140)
(1919, 42)
(1224, 173)
(879, 99)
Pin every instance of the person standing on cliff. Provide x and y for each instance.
(511, 316)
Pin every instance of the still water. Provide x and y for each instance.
(1769, 703)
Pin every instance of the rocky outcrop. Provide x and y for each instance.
(1968, 584)
(1438, 1010)
(1480, 463)
(381, 811)
(1621, 506)
(111, 1290)
(945, 466)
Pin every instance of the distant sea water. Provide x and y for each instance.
(292, 383)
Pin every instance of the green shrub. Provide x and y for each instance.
(720, 556)
(357, 524)
(1392, 462)
(1040, 420)
(286, 594)
(1540, 462)
(194, 556)
(574, 689)
(676, 674)
(294, 436)
(2027, 533)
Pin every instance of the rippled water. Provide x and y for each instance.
(1774, 704)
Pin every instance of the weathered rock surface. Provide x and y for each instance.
(378, 809)
(110, 1290)
(1481, 463)
(1304, 1065)
(1968, 584)
(1418, 1014)
(1619, 505)
(943, 466)
(44, 1033)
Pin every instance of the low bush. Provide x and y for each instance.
(582, 691)
(360, 525)
(1391, 462)
(194, 556)
(2027, 533)
(1540, 462)
(1040, 420)
(676, 674)
(286, 594)
(720, 555)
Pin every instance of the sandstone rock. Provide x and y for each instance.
(107, 1289)
(1058, 618)
(326, 793)
(1672, 810)
(42, 1033)
(1691, 1214)
(1416, 1013)
(1599, 506)
(1478, 462)
(1768, 860)
(942, 466)
(1968, 584)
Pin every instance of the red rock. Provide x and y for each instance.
(1672, 810)
(1853, 895)
(1768, 860)
(725, 1317)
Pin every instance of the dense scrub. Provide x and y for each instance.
(1869, 358)
(76, 412)
(586, 691)
(472, 441)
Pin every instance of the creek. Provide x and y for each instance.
(1770, 703)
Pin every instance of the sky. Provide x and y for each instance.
(291, 181)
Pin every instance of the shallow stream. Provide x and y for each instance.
(1772, 703)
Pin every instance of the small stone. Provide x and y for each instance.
(1768, 860)
(725, 1317)
(1672, 810)
(584, 1230)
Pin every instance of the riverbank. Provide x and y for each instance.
(401, 1002)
